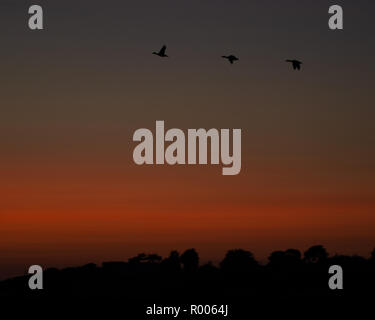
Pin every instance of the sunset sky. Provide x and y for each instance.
(73, 94)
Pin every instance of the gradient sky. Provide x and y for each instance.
(73, 94)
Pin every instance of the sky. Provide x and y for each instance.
(73, 94)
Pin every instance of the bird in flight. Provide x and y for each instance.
(296, 64)
(230, 58)
(161, 53)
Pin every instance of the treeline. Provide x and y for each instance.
(180, 276)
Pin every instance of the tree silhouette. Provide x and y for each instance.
(137, 259)
(208, 268)
(372, 258)
(293, 258)
(190, 260)
(288, 260)
(153, 258)
(293, 254)
(238, 260)
(276, 259)
(315, 254)
(172, 264)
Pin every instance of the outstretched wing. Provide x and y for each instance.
(162, 50)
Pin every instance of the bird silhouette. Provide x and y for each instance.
(161, 53)
(230, 58)
(296, 64)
